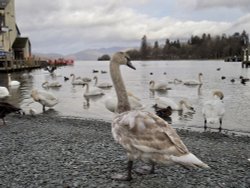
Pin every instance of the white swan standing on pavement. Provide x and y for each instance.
(92, 92)
(46, 99)
(142, 134)
(164, 102)
(103, 85)
(194, 82)
(4, 92)
(12, 82)
(213, 110)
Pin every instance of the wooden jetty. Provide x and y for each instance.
(14, 65)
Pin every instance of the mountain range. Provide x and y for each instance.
(89, 54)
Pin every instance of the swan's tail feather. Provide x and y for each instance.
(189, 160)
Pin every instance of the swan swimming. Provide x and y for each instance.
(135, 104)
(4, 92)
(76, 81)
(46, 99)
(194, 82)
(46, 84)
(103, 84)
(12, 82)
(213, 110)
(158, 86)
(92, 92)
(142, 134)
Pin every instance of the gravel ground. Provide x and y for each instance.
(45, 151)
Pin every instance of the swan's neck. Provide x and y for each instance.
(199, 78)
(87, 88)
(152, 85)
(73, 78)
(9, 78)
(123, 104)
(96, 81)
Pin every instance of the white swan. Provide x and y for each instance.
(92, 92)
(164, 102)
(135, 104)
(76, 81)
(142, 134)
(46, 99)
(194, 82)
(46, 84)
(158, 86)
(213, 110)
(12, 82)
(175, 81)
(4, 92)
(103, 84)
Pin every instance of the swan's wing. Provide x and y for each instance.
(43, 95)
(161, 85)
(213, 110)
(147, 133)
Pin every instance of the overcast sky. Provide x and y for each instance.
(69, 26)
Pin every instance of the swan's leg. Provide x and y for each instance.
(4, 123)
(220, 125)
(127, 177)
(205, 124)
(43, 108)
(146, 170)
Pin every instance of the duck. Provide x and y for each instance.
(144, 135)
(135, 103)
(213, 110)
(7, 108)
(104, 85)
(12, 82)
(4, 92)
(76, 81)
(164, 102)
(66, 78)
(46, 99)
(194, 82)
(92, 92)
(46, 84)
(158, 86)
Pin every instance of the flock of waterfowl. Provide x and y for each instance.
(144, 135)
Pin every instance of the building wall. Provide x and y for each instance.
(10, 22)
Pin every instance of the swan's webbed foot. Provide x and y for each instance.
(121, 177)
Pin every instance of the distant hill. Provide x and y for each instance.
(89, 54)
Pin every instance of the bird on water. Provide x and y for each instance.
(144, 135)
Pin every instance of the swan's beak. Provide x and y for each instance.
(130, 65)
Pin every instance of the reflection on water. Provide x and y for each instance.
(72, 103)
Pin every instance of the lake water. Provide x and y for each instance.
(73, 104)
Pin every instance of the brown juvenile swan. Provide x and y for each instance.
(142, 134)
